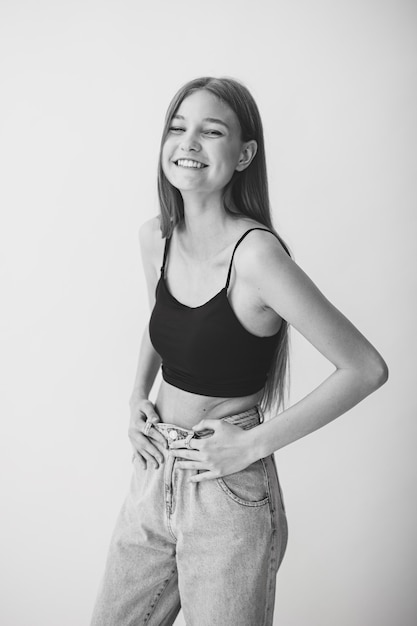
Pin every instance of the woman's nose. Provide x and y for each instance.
(189, 142)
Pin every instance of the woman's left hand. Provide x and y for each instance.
(228, 450)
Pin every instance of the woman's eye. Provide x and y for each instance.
(210, 132)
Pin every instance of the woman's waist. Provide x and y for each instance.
(245, 419)
(185, 409)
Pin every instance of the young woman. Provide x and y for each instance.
(203, 526)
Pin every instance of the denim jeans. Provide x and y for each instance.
(211, 548)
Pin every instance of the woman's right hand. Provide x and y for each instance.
(144, 445)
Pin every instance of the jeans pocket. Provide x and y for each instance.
(248, 487)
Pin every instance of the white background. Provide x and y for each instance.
(85, 86)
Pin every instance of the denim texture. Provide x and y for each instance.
(211, 548)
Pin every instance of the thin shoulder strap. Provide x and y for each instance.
(167, 242)
(234, 250)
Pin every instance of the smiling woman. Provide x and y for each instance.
(204, 134)
(204, 525)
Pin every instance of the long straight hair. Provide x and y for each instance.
(248, 191)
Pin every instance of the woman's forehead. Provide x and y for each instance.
(203, 104)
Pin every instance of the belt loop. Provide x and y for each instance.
(261, 414)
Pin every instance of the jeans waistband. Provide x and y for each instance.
(246, 420)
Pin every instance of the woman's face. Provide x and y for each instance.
(203, 146)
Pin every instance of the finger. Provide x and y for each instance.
(179, 443)
(203, 476)
(157, 436)
(150, 432)
(206, 424)
(150, 413)
(144, 445)
(150, 460)
(197, 465)
(146, 428)
(185, 453)
(138, 458)
(154, 453)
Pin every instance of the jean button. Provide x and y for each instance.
(173, 434)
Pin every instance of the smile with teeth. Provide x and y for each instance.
(190, 163)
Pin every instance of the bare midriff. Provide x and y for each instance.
(185, 409)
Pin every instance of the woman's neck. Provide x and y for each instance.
(206, 227)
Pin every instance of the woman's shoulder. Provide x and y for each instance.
(150, 232)
(258, 237)
(150, 239)
(150, 228)
(260, 247)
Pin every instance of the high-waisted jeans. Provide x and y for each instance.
(211, 548)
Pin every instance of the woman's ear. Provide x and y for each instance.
(247, 154)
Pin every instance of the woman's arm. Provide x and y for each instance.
(359, 369)
(341, 391)
(149, 360)
(148, 366)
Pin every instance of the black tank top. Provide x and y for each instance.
(205, 349)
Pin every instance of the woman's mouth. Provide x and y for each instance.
(190, 164)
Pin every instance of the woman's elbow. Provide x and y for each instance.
(376, 372)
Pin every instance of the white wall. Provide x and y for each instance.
(85, 86)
